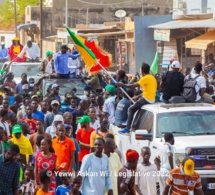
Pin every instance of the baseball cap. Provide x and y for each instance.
(55, 102)
(69, 95)
(87, 87)
(110, 88)
(175, 64)
(17, 129)
(67, 126)
(84, 119)
(39, 93)
(34, 96)
(189, 167)
(31, 80)
(25, 87)
(2, 43)
(49, 53)
(9, 74)
(24, 75)
(55, 86)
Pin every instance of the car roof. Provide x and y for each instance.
(179, 107)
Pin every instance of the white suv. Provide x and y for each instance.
(193, 126)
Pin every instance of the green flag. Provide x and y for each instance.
(154, 66)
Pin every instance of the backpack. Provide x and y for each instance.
(189, 90)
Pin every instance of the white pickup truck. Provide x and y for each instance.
(193, 126)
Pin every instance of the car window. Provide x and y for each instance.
(30, 70)
(138, 119)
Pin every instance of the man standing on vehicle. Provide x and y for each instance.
(169, 89)
(167, 159)
(33, 52)
(148, 84)
(184, 180)
(61, 62)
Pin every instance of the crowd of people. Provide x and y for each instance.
(65, 145)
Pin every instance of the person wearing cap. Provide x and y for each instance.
(61, 62)
(66, 102)
(83, 137)
(74, 65)
(184, 180)
(55, 106)
(172, 83)
(18, 88)
(32, 50)
(200, 81)
(55, 92)
(47, 65)
(87, 91)
(126, 175)
(58, 119)
(97, 183)
(148, 84)
(9, 94)
(3, 53)
(15, 49)
(39, 94)
(109, 104)
(9, 80)
(26, 150)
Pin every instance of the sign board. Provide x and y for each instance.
(162, 35)
(123, 49)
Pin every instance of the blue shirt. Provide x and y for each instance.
(4, 54)
(18, 88)
(9, 179)
(38, 115)
(121, 113)
(61, 63)
(61, 190)
(211, 72)
(77, 150)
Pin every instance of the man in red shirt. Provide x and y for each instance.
(83, 137)
(30, 120)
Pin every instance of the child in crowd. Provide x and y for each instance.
(65, 187)
(27, 185)
(75, 185)
(45, 181)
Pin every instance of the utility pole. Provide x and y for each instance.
(66, 19)
(15, 18)
(41, 26)
(87, 17)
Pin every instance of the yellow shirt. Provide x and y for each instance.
(149, 85)
(94, 135)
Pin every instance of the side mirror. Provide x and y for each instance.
(143, 135)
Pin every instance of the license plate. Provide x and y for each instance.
(211, 186)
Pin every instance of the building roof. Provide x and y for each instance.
(178, 24)
(201, 42)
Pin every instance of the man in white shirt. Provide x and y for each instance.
(167, 158)
(33, 51)
(200, 81)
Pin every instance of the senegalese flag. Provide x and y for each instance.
(90, 53)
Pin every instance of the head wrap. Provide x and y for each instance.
(131, 155)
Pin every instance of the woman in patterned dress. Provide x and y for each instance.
(45, 160)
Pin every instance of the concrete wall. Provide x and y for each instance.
(8, 37)
(145, 45)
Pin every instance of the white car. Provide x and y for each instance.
(193, 126)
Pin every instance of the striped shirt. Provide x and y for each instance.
(181, 183)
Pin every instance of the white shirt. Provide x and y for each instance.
(33, 52)
(5, 126)
(95, 125)
(164, 158)
(146, 178)
(73, 65)
(109, 108)
(200, 83)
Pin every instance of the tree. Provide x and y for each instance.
(7, 11)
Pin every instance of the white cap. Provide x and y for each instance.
(2, 43)
(175, 64)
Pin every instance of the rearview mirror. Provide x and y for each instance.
(143, 135)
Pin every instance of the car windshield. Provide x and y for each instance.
(186, 123)
(31, 70)
(65, 86)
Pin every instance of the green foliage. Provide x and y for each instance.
(7, 11)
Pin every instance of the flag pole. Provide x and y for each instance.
(115, 81)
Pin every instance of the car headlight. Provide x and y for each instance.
(179, 157)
